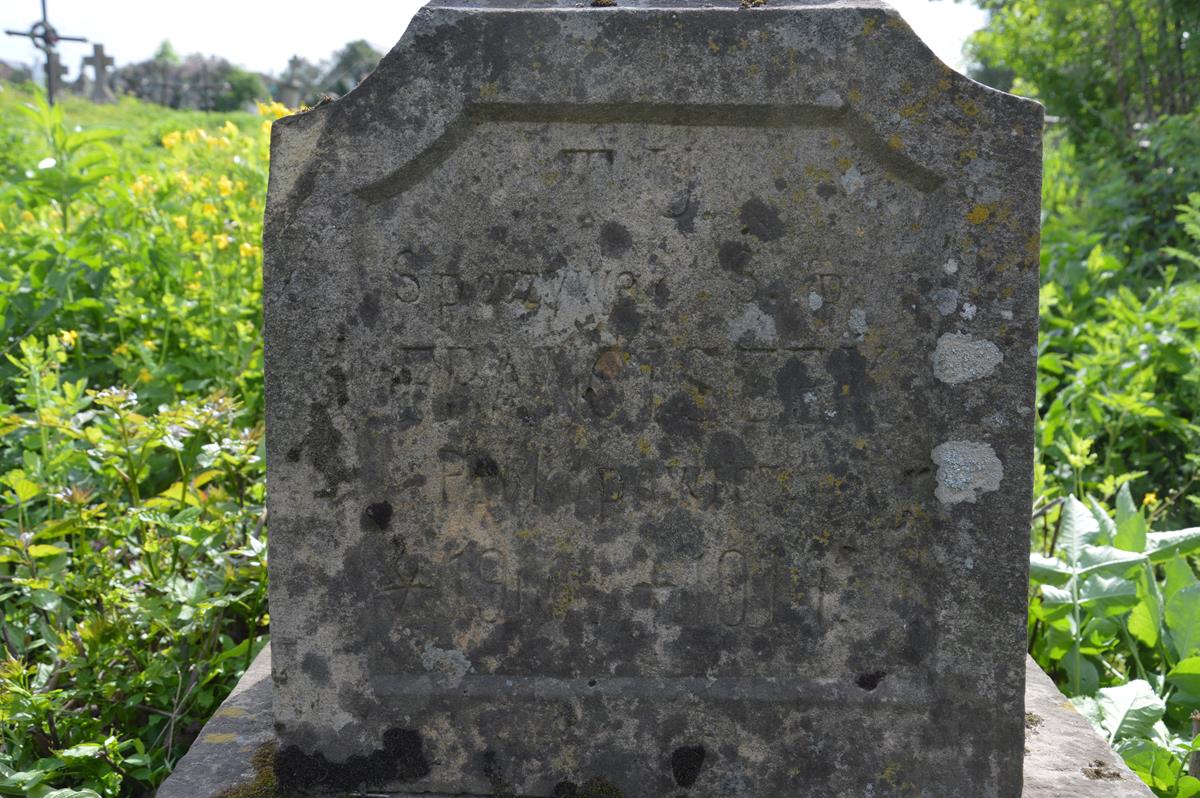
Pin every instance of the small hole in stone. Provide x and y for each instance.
(591, 682)
(293, 455)
(380, 514)
(485, 466)
(869, 681)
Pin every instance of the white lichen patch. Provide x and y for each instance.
(815, 301)
(961, 358)
(449, 663)
(852, 180)
(752, 322)
(946, 300)
(950, 266)
(968, 311)
(966, 470)
(858, 321)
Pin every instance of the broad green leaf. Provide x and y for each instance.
(40, 551)
(1153, 764)
(1178, 574)
(1086, 705)
(1077, 529)
(68, 792)
(1108, 527)
(1109, 596)
(1129, 710)
(1082, 676)
(82, 751)
(1047, 570)
(1187, 787)
(1183, 619)
(1145, 620)
(1131, 526)
(1106, 559)
(1161, 546)
(1186, 675)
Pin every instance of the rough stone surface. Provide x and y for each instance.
(602, 402)
(1064, 757)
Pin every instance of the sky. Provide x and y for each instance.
(263, 34)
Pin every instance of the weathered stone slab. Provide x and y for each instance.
(650, 409)
(1064, 757)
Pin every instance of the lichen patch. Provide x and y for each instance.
(966, 470)
(961, 358)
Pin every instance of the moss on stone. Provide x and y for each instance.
(264, 784)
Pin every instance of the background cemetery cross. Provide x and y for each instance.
(100, 63)
(650, 406)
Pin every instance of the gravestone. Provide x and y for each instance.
(650, 409)
(102, 85)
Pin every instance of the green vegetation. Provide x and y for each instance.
(132, 547)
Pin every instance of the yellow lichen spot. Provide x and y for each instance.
(869, 25)
(550, 178)
(845, 390)
(860, 443)
(753, 70)
(968, 107)
(979, 214)
(835, 142)
(909, 111)
(785, 479)
(854, 95)
(713, 47)
(220, 738)
(845, 163)
(895, 142)
(580, 436)
(824, 537)
(704, 296)
(232, 712)
(489, 90)
(645, 368)
(644, 447)
(526, 535)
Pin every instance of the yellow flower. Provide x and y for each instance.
(274, 110)
(27, 217)
(180, 222)
(247, 250)
(144, 375)
(199, 237)
(225, 186)
(68, 338)
(150, 344)
(194, 287)
(208, 209)
(3, 228)
(140, 186)
(266, 127)
(171, 140)
(1150, 499)
(122, 350)
(222, 241)
(193, 135)
(229, 129)
(185, 180)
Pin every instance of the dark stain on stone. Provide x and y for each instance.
(680, 417)
(683, 210)
(826, 190)
(869, 681)
(485, 466)
(852, 387)
(379, 514)
(734, 256)
(792, 383)
(338, 375)
(498, 234)
(662, 294)
(761, 220)
(368, 309)
(324, 444)
(615, 240)
(495, 778)
(316, 668)
(686, 762)
(1099, 770)
(599, 788)
(625, 319)
(402, 758)
(293, 454)
(727, 452)
(780, 184)
(565, 789)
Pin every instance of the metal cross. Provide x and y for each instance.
(99, 62)
(46, 38)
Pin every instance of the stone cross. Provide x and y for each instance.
(100, 64)
(650, 403)
(55, 71)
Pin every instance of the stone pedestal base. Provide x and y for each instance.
(1064, 758)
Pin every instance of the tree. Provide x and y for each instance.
(1106, 67)
(350, 65)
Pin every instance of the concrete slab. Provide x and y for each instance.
(232, 758)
